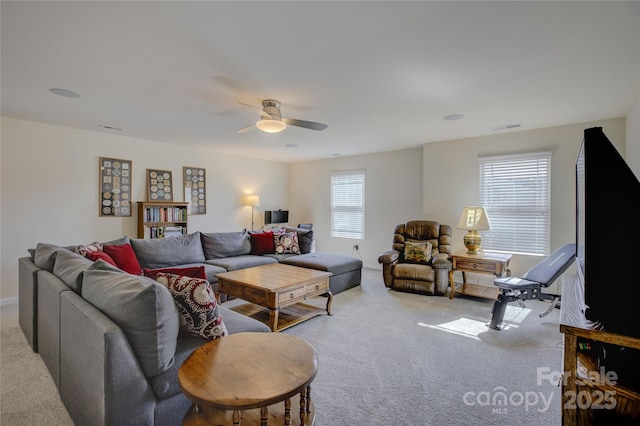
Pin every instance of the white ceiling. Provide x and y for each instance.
(381, 75)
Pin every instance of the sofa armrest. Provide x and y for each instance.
(101, 382)
(388, 259)
(389, 256)
(28, 300)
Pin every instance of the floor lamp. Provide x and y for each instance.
(253, 201)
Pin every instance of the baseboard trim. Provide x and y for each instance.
(374, 267)
(9, 301)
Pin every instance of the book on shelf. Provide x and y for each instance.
(172, 231)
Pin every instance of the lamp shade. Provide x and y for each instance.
(474, 218)
(252, 200)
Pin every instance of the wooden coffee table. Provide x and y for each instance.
(276, 292)
(250, 379)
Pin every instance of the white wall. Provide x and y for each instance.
(450, 181)
(49, 188)
(393, 186)
(455, 164)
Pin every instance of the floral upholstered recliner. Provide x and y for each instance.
(419, 261)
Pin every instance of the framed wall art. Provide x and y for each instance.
(195, 189)
(159, 185)
(115, 187)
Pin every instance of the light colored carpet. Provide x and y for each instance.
(386, 358)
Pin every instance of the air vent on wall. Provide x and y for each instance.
(505, 127)
(106, 126)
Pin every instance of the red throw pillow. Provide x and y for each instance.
(262, 243)
(189, 271)
(124, 257)
(95, 255)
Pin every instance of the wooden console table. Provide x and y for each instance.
(578, 368)
(484, 263)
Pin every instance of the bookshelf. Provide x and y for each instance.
(161, 219)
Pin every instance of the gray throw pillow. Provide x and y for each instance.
(225, 244)
(45, 255)
(70, 267)
(163, 252)
(142, 308)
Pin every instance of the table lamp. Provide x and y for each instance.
(473, 219)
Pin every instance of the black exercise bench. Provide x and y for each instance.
(530, 284)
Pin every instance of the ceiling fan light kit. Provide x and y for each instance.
(271, 120)
(270, 125)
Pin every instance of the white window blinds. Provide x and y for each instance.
(347, 204)
(516, 191)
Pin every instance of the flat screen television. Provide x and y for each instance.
(607, 244)
(276, 216)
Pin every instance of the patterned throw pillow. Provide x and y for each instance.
(89, 248)
(197, 305)
(286, 243)
(418, 252)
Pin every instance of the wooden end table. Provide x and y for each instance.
(250, 379)
(483, 263)
(276, 292)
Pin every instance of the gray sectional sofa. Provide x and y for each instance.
(111, 340)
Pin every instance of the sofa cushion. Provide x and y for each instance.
(189, 271)
(241, 262)
(117, 242)
(70, 267)
(45, 255)
(417, 251)
(163, 252)
(225, 244)
(124, 257)
(196, 303)
(166, 383)
(100, 255)
(262, 242)
(286, 242)
(305, 238)
(141, 307)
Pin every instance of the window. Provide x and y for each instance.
(516, 191)
(347, 204)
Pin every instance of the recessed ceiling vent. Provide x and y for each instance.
(505, 127)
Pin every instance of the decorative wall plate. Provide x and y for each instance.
(159, 185)
(111, 176)
(194, 179)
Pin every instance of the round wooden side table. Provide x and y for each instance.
(250, 379)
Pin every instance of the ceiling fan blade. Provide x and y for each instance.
(256, 109)
(246, 129)
(306, 124)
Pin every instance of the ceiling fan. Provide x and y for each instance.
(272, 121)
